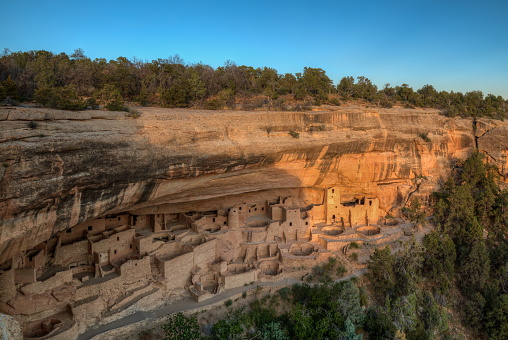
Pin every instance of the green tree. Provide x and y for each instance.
(181, 327)
(64, 98)
(9, 89)
(271, 331)
(315, 82)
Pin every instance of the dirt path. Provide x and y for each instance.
(189, 304)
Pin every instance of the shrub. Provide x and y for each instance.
(32, 125)
(313, 128)
(92, 104)
(244, 295)
(63, 98)
(10, 102)
(294, 134)
(425, 137)
(214, 104)
(181, 327)
(386, 104)
(228, 303)
(354, 245)
(133, 113)
(334, 101)
(115, 105)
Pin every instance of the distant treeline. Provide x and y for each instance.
(77, 82)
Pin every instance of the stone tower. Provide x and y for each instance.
(233, 220)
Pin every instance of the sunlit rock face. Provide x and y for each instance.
(76, 166)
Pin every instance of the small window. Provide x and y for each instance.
(262, 208)
(68, 231)
(370, 203)
(115, 251)
(118, 238)
(224, 222)
(119, 218)
(240, 208)
(306, 223)
(290, 224)
(333, 191)
(249, 210)
(213, 219)
(130, 246)
(90, 227)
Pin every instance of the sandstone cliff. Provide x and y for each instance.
(80, 165)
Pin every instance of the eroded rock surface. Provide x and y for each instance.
(70, 170)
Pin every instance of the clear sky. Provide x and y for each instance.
(453, 45)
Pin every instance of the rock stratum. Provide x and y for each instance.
(80, 165)
(157, 182)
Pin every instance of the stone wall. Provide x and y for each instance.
(241, 279)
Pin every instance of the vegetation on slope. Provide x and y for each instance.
(63, 81)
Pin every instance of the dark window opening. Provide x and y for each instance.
(130, 246)
(90, 227)
(115, 251)
(333, 217)
(263, 208)
(333, 191)
(119, 218)
(224, 222)
(306, 223)
(290, 224)
(240, 208)
(213, 219)
(255, 209)
(68, 231)
(118, 238)
(370, 202)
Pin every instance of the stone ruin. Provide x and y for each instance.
(102, 266)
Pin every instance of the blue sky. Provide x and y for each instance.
(453, 45)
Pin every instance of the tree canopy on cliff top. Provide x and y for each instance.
(63, 81)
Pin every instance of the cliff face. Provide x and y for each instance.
(78, 166)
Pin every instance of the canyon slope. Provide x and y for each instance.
(77, 166)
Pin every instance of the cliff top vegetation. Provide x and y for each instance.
(76, 82)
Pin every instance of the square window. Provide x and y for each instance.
(90, 227)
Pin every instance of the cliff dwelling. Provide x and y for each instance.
(105, 265)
